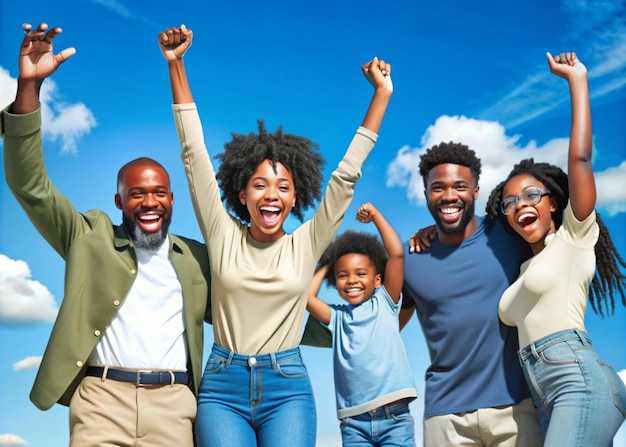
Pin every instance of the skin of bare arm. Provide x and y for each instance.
(394, 269)
(405, 316)
(316, 307)
(174, 43)
(378, 73)
(582, 187)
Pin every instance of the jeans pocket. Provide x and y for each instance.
(559, 354)
(292, 368)
(618, 388)
(403, 417)
(213, 365)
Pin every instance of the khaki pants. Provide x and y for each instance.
(112, 413)
(510, 426)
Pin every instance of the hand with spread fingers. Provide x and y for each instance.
(37, 60)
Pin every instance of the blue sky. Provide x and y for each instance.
(473, 72)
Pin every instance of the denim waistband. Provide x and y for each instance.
(533, 349)
(256, 360)
(385, 411)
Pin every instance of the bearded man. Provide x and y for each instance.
(125, 353)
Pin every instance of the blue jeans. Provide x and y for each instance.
(389, 425)
(257, 400)
(580, 399)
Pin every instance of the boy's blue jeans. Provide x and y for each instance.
(389, 425)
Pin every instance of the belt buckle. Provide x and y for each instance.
(138, 379)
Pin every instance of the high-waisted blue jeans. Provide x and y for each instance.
(261, 400)
(580, 399)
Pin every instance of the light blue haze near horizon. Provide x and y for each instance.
(463, 71)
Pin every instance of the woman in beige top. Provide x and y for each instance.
(255, 389)
(580, 399)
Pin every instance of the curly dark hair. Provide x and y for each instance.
(608, 279)
(354, 242)
(244, 153)
(551, 176)
(449, 153)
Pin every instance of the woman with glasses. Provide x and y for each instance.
(580, 399)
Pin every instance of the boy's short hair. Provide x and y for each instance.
(355, 242)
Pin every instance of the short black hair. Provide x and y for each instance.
(449, 153)
(357, 242)
(244, 153)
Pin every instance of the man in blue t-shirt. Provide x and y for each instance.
(475, 389)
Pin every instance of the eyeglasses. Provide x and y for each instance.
(531, 195)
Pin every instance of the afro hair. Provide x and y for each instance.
(354, 242)
(244, 153)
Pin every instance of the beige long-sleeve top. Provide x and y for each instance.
(259, 290)
(550, 295)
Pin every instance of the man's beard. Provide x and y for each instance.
(459, 227)
(148, 241)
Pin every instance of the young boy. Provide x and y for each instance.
(373, 380)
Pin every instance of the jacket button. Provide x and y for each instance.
(79, 364)
(116, 302)
(96, 333)
(133, 271)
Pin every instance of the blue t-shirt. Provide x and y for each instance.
(370, 362)
(456, 289)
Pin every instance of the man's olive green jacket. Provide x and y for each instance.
(101, 265)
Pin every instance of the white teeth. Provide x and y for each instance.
(524, 216)
(271, 209)
(449, 210)
(150, 217)
(353, 290)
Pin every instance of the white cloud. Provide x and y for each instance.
(23, 300)
(498, 153)
(27, 364)
(622, 375)
(599, 24)
(611, 65)
(611, 186)
(115, 6)
(121, 9)
(10, 440)
(67, 122)
(60, 120)
(8, 86)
